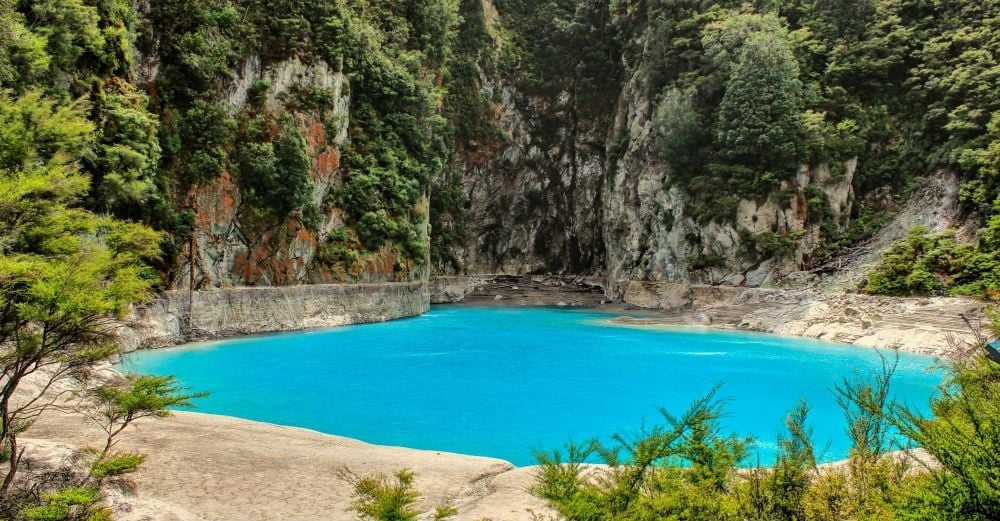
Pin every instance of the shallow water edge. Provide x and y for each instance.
(501, 381)
(933, 326)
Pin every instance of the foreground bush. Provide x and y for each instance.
(687, 469)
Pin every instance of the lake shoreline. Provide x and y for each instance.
(197, 460)
(933, 326)
(208, 467)
(211, 467)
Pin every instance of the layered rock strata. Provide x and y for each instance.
(179, 316)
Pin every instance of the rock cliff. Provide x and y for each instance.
(564, 172)
(234, 245)
(179, 316)
(534, 199)
(568, 191)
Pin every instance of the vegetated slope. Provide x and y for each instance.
(308, 141)
(750, 141)
(277, 142)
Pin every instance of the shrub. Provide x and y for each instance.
(274, 165)
(770, 245)
(116, 465)
(925, 264)
(388, 498)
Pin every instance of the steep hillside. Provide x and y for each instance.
(740, 143)
(305, 141)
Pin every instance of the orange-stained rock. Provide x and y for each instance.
(216, 203)
(237, 245)
(326, 164)
(325, 157)
(801, 208)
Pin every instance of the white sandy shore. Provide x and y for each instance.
(205, 467)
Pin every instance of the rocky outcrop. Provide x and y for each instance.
(534, 198)
(936, 326)
(565, 193)
(650, 236)
(450, 289)
(524, 290)
(179, 316)
(933, 205)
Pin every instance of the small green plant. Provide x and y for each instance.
(380, 497)
(115, 407)
(70, 504)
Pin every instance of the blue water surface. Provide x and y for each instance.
(502, 382)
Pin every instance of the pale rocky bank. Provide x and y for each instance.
(177, 316)
(938, 326)
(204, 467)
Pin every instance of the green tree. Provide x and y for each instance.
(682, 133)
(65, 273)
(848, 18)
(759, 125)
(126, 171)
(22, 52)
(274, 165)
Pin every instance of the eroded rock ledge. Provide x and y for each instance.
(933, 326)
(177, 316)
(525, 290)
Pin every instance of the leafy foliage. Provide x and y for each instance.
(70, 504)
(963, 435)
(66, 276)
(275, 170)
(116, 406)
(759, 125)
(925, 264)
(383, 498)
(679, 470)
(686, 469)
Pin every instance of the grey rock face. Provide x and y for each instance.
(556, 193)
(535, 201)
(178, 316)
(562, 194)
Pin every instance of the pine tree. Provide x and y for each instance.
(759, 123)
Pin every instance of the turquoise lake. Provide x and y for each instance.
(502, 382)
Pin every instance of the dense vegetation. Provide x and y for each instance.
(745, 93)
(749, 93)
(66, 274)
(159, 137)
(686, 467)
(925, 264)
